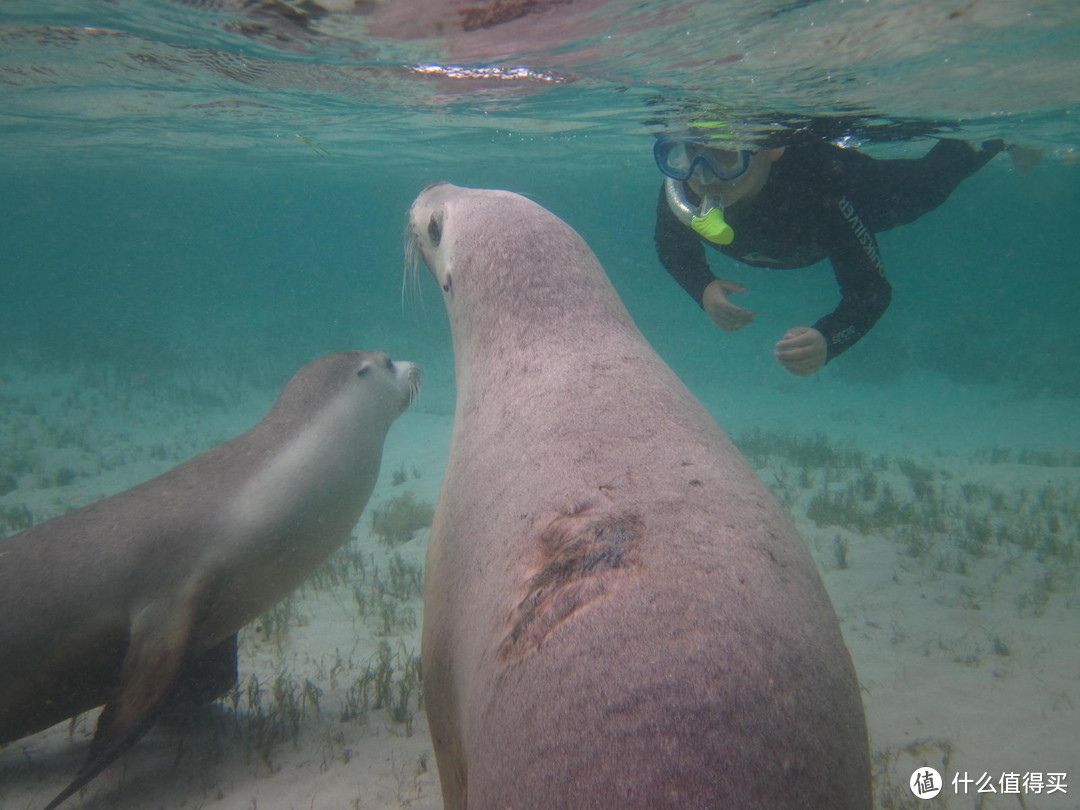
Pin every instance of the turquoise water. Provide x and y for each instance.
(156, 266)
(214, 192)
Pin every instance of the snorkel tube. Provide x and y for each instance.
(707, 220)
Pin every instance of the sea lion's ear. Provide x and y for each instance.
(446, 284)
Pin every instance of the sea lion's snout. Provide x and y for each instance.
(425, 233)
(405, 375)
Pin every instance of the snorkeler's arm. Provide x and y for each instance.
(864, 290)
(681, 251)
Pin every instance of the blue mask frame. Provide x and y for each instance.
(678, 159)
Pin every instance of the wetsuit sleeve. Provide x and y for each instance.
(681, 251)
(864, 290)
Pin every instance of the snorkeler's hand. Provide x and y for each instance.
(802, 351)
(723, 313)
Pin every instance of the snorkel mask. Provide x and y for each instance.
(678, 159)
(706, 220)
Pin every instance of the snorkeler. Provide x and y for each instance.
(792, 206)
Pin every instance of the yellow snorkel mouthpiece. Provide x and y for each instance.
(712, 226)
(706, 221)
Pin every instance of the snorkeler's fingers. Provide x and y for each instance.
(721, 311)
(794, 354)
(800, 336)
(731, 287)
(731, 318)
(798, 361)
(734, 309)
(801, 351)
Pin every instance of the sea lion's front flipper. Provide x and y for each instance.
(158, 649)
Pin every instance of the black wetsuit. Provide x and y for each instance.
(821, 201)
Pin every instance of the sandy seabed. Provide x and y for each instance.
(951, 558)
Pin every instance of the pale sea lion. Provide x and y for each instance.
(124, 599)
(617, 612)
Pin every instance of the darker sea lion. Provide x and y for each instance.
(617, 612)
(124, 599)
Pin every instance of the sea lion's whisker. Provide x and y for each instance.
(410, 278)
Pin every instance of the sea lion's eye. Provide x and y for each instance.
(360, 372)
(434, 230)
